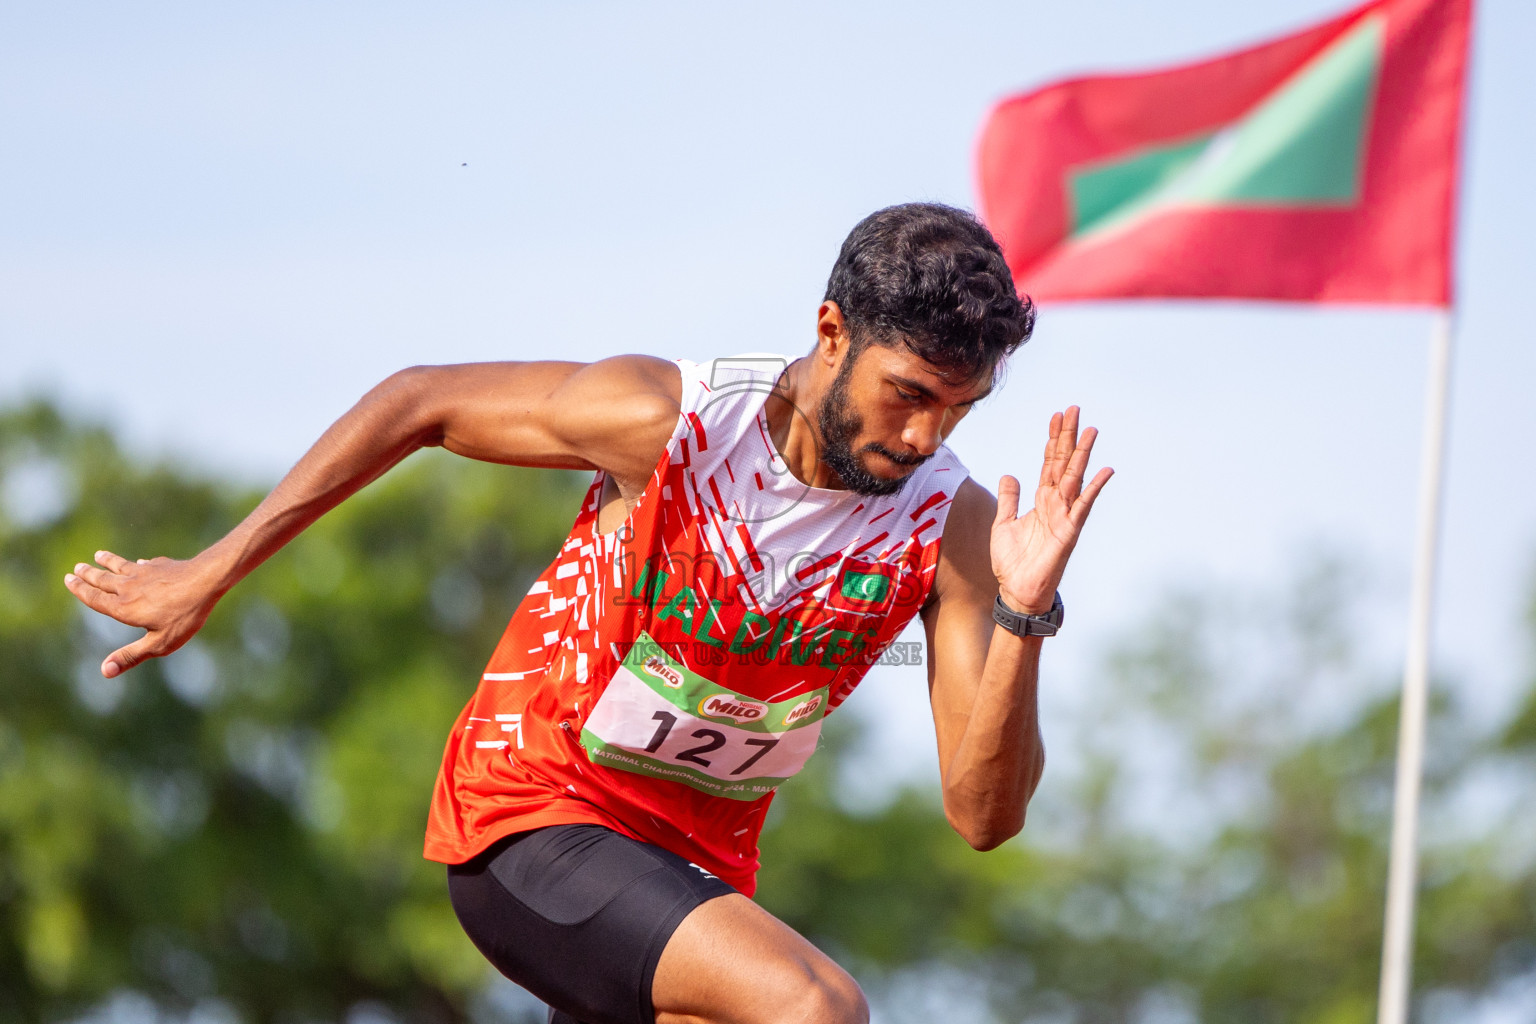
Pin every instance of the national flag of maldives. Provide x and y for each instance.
(1320, 167)
(864, 587)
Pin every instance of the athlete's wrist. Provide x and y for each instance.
(1030, 601)
(1031, 645)
(217, 568)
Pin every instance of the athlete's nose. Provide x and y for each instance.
(923, 433)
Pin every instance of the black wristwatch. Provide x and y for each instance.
(1020, 624)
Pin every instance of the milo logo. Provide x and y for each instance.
(803, 710)
(724, 705)
(661, 670)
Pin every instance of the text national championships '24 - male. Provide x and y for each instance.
(757, 532)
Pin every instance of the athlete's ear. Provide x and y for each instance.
(832, 337)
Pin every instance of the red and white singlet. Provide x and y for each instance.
(663, 679)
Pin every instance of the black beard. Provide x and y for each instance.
(839, 426)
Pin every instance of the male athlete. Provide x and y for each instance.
(757, 531)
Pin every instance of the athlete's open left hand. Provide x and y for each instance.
(1030, 552)
(169, 598)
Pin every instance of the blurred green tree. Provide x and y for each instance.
(242, 822)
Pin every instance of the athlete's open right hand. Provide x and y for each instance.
(169, 598)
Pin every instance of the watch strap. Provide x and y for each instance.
(1020, 624)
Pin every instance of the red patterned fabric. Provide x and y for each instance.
(663, 678)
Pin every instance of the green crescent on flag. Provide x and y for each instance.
(865, 586)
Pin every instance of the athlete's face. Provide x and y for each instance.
(886, 413)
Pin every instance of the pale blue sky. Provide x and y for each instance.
(222, 224)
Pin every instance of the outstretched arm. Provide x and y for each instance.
(615, 415)
(982, 679)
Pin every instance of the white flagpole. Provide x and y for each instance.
(1402, 873)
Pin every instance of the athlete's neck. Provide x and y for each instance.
(791, 411)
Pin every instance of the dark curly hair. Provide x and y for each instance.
(932, 278)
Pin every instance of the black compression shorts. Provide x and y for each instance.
(578, 915)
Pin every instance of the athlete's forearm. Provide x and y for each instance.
(998, 762)
(389, 423)
(547, 413)
(526, 414)
(172, 599)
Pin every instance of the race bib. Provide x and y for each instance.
(659, 718)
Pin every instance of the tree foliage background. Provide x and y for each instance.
(234, 833)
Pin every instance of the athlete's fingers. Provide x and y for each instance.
(1084, 504)
(1048, 464)
(117, 563)
(98, 578)
(92, 597)
(1066, 442)
(1077, 464)
(124, 658)
(1007, 500)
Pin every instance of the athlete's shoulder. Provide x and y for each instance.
(637, 376)
(974, 506)
(628, 395)
(617, 414)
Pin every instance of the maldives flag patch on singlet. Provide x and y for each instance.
(867, 588)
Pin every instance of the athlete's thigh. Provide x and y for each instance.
(732, 962)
